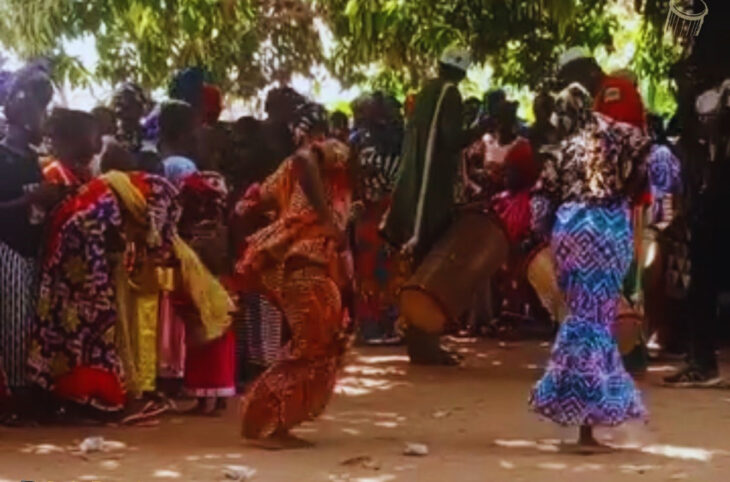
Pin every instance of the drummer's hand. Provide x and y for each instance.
(410, 246)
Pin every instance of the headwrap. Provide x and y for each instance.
(187, 85)
(131, 90)
(572, 109)
(6, 80)
(203, 196)
(151, 125)
(32, 81)
(212, 104)
(309, 117)
(284, 100)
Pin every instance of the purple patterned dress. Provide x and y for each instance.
(73, 349)
(585, 382)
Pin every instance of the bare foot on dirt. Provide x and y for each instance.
(282, 441)
(586, 444)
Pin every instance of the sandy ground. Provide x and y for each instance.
(473, 419)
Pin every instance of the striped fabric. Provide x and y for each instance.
(17, 283)
(380, 172)
(258, 327)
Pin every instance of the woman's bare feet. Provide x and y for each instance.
(205, 407)
(586, 444)
(281, 441)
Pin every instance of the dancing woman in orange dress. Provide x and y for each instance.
(296, 261)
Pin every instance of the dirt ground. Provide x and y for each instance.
(473, 420)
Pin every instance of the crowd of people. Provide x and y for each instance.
(150, 250)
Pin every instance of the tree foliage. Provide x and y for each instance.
(521, 38)
(391, 44)
(243, 44)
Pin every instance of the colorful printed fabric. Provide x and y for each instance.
(170, 340)
(378, 171)
(209, 365)
(54, 172)
(297, 233)
(258, 327)
(664, 180)
(596, 163)
(664, 169)
(77, 311)
(378, 275)
(585, 382)
(299, 385)
(18, 286)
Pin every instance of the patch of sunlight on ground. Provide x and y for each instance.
(506, 464)
(630, 468)
(92, 478)
(109, 464)
(661, 369)
(378, 419)
(359, 386)
(42, 449)
(380, 478)
(588, 468)
(386, 424)
(166, 474)
(463, 341)
(516, 444)
(541, 445)
(673, 452)
(683, 453)
(373, 371)
(552, 466)
(383, 359)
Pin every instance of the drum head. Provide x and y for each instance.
(422, 311)
(541, 273)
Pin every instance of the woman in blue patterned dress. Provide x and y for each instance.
(584, 193)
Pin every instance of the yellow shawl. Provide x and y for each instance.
(206, 292)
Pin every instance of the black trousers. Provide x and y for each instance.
(706, 282)
(709, 252)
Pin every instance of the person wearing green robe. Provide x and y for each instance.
(423, 199)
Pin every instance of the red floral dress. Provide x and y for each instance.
(296, 262)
